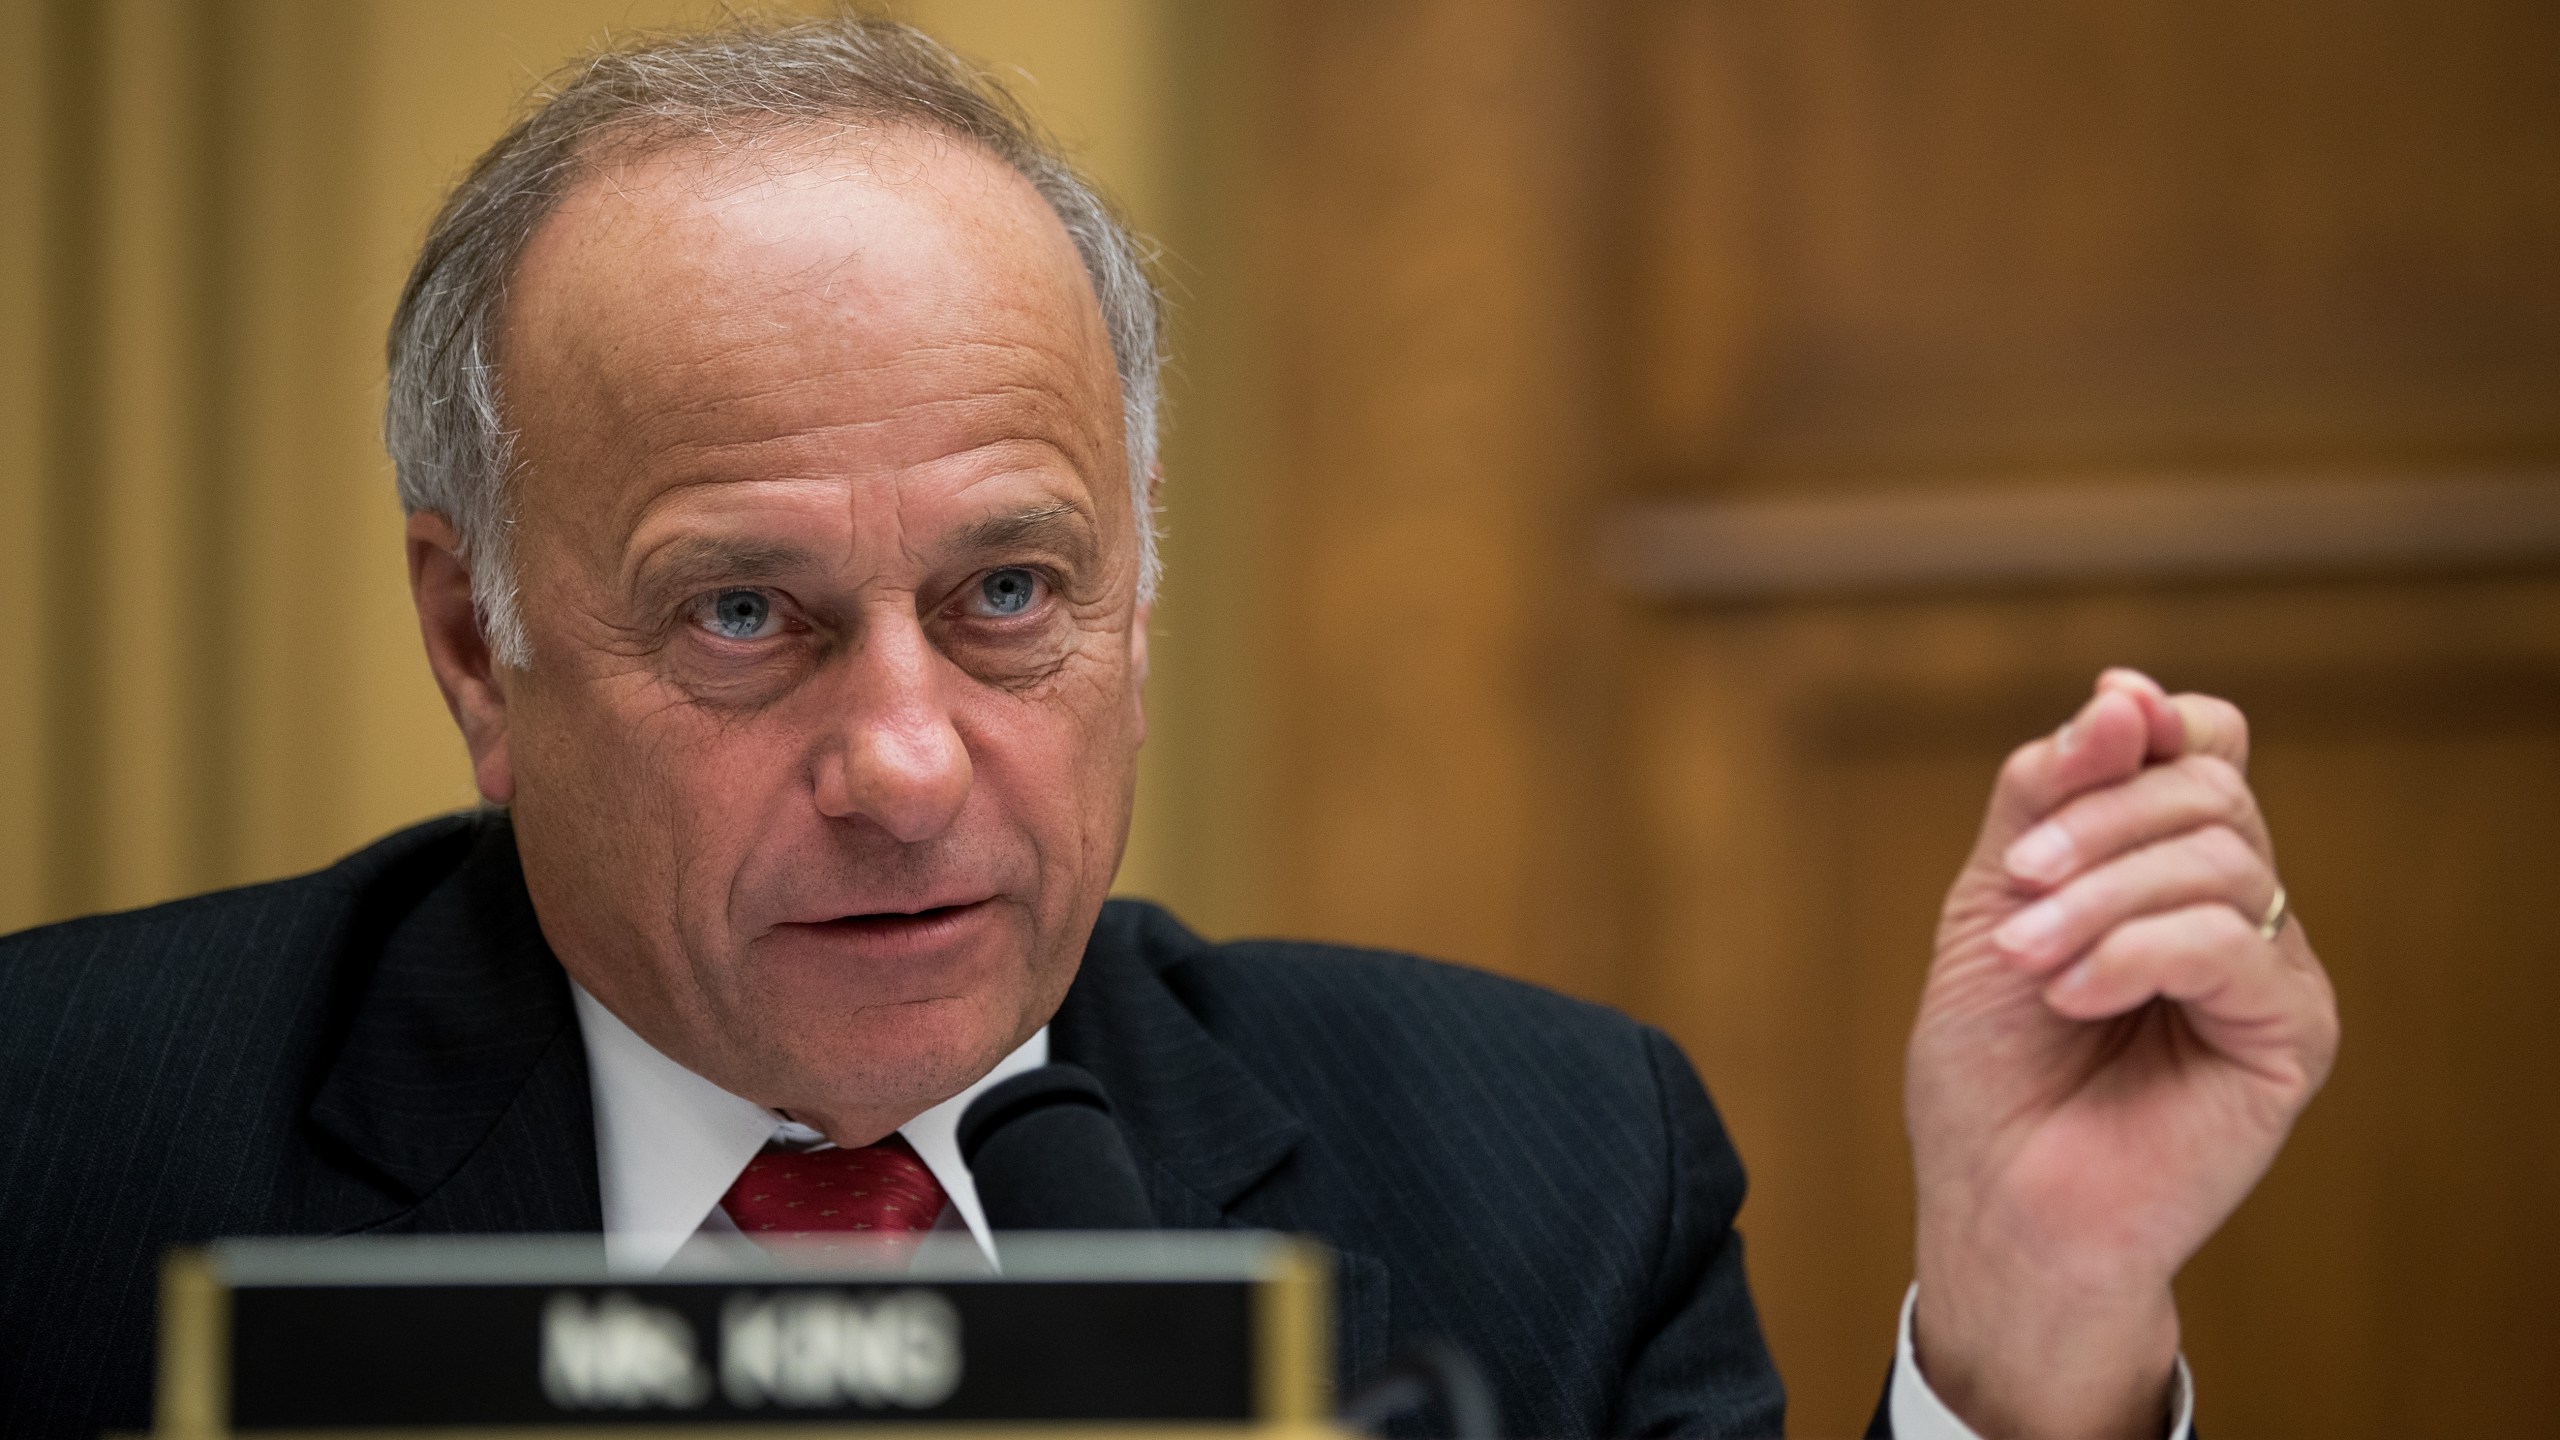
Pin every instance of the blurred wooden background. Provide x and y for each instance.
(1635, 469)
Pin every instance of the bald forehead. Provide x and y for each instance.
(749, 282)
(781, 199)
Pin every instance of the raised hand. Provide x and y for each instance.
(2109, 1053)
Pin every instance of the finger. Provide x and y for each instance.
(2164, 800)
(2214, 727)
(2203, 866)
(2101, 745)
(2168, 737)
(2205, 956)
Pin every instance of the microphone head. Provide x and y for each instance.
(1047, 1155)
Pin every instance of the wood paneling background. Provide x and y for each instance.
(2000, 265)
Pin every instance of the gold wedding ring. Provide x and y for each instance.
(2278, 911)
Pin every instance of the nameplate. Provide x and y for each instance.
(1213, 1332)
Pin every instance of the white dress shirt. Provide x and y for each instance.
(670, 1143)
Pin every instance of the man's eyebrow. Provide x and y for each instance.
(700, 559)
(1059, 526)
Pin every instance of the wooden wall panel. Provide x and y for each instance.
(2017, 238)
(1818, 771)
(2397, 1275)
(1439, 238)
(1524, 262)
(2015, 258)
(24, 872)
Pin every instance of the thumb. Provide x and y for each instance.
(2184, 724)
(2214, 727)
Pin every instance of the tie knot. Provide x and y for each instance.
(801, 1194)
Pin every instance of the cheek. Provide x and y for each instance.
(666, 799)
(1062, 761)
(571, 746)
(733, 798)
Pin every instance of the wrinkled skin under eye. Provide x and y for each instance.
(739, 615)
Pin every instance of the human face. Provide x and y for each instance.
(823, 761)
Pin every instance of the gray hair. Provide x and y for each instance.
(443, 422)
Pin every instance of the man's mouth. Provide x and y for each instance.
(902, 922)
(890, 934)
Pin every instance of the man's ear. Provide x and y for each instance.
(1138, 663)
(459, 654)
(1139, 622)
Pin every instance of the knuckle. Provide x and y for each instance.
(2223, 927)
(2174, 939)
(2225, 788)
(2227, 853)
(2019, 769)
(2144, 941)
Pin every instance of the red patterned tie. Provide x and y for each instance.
(813, 1194)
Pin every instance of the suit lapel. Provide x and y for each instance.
(1204, 1128)
(463, 1080)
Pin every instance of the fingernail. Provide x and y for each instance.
(2044, 854)
(2074, 980)
(2067, 739)
(2030, 929)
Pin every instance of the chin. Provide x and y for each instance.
(846, 1053)
(898, 1017)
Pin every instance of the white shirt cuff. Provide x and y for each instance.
(1918, 1413)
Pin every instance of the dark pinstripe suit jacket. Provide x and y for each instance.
(389, 1046)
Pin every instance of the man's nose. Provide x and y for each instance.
(895, 759)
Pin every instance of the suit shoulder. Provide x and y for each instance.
(110, 963)
(1345, 981)
(1365, 1015)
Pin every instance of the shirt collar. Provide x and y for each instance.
(669, 1143)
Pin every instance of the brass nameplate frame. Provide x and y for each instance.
(1216, 1333)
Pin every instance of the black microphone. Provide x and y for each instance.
(1046, 1155)
(1431, 1370)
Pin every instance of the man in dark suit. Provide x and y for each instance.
(775, 418)
(1540, 1180)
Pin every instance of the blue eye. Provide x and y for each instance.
(1009, 591)
(739, 614)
